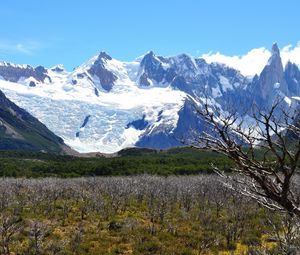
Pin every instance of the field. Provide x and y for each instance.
(135, 215)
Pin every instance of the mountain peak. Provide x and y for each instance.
(272, 79)
(104, 55)
(275, 58)
(275, 49)
(150, 53)
(150, 59)
(288, 65)
(58, 68)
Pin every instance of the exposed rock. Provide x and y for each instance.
(180, 83)
(106, 78)
(80, 75)
(144, 80)
(292, 77)
(188, 123)
(96, 92)
(13, 73)
(226, 89)
(153, 68)
(138, 124)
(20, 130)
(85, 121)
(57, 69)
(271, 80)
(104, 55)
(32, 84)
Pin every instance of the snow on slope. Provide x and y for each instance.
(63, 106)
(106, 105)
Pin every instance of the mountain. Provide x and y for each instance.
(271, 81)
(106, 105)
(21, 131)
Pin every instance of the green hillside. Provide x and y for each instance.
(179, 161)
(21, 131)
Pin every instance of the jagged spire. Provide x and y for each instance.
(271, 79)
(151, 53)
(275, 58)
(104, 55)
(275, 49)
(149, 60)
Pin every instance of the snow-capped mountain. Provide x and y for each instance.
(106, 105)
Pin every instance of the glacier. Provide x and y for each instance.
(62, 106)
(97, 107)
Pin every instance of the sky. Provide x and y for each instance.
(69, 32)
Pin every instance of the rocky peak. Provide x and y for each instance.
(98, 69)
(152, 68)
(275, 59)
(292, 77)
(275, 49)
(201, 62)
(271, 82)
(255, 78)
(184, 61)
(13, 73)
(150, 61)
(291, 68)
(185, 66)
(58, 68)
(104, 56)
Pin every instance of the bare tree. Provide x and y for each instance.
(265, 151)
(10, 225)
(286, 232)
(37, 231)
(76, 240)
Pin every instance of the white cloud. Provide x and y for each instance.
(290, 53)
(26, 47)
(254, 61)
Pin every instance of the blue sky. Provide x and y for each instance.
(50, 32)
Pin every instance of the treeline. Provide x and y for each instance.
(179, 161)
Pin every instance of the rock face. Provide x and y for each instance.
(188, 127)
(144, 80)
(292, 78)
(14, 73)
(225, 88)
(152, 67)
(155, 68)
(271, 80)
(98, 69)
(138, 124)
(32, 84)
(21, 131)
(58, 69)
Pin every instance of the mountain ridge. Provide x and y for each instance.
(117, 96)
(21, 131)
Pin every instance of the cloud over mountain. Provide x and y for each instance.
(254, 61)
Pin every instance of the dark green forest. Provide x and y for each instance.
(134, 161)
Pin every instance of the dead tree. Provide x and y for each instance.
(266, 152)
(285, 230)
(9, 227)
(37, 232)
